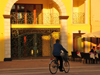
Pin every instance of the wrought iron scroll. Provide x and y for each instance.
(78, 18)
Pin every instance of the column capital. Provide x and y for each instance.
(7, 16)
(63, 17)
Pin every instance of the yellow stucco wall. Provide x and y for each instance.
(70, 26)
(2, 38)
(75, 27)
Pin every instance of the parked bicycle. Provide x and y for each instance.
(54, 65)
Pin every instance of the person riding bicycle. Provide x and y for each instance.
(57, 47)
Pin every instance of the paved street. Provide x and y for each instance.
(40, 67)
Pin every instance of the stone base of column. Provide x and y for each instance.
(7, 59)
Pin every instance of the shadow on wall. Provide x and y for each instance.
(2, 48)
(78, 3)
(7, 50)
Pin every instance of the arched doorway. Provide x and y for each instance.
(63, 22)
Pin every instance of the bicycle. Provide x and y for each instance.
(54, 65)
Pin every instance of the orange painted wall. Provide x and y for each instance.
(95, 15)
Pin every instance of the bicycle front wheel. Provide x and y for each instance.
(66, 66)
(53, 66)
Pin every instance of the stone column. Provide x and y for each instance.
(63, 21)
(7, 38)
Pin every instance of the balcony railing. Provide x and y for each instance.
(51, 18)
(78, 18)
(45, 18)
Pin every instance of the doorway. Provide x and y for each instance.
(78, 42)
(33, 43)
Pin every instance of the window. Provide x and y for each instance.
(27, 14)
(78, 12)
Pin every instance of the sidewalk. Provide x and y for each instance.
(31, 63)
(35, 63)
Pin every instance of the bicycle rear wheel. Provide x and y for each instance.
(53, 66)
(66, 66)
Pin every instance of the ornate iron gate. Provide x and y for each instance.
(33, 43)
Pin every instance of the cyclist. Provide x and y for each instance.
(57, 47)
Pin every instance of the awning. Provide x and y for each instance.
(93, 34)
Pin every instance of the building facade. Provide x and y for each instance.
(30, 28)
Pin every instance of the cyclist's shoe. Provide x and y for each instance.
(61, 70)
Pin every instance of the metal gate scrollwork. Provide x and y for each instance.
(33, 42)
